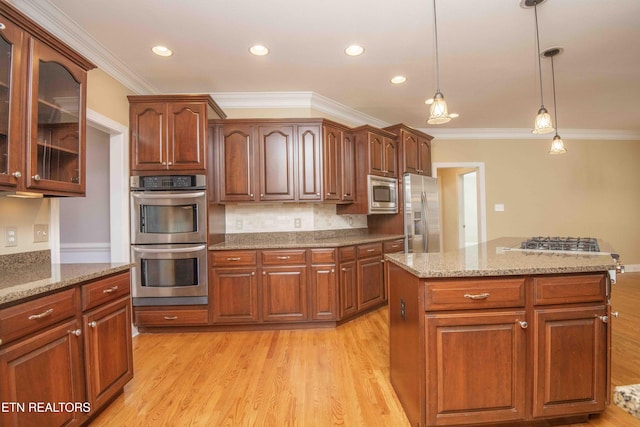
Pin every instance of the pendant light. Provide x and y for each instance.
(557, 145)
(438, 113)
(542, 123)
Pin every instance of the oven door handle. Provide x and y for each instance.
(173, 195)
(169, 250)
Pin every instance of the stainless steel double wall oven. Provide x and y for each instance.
(168, 240)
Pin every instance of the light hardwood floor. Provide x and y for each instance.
(314, 377)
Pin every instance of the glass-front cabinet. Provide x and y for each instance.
(42, 110)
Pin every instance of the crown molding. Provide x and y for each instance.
(518, 133)
(300, 99)
(48, 16)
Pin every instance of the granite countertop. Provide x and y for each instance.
(20, 283)
(300, 240)
(494, 258)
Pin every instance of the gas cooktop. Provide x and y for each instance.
(579, 244)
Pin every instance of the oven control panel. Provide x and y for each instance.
(168, 182)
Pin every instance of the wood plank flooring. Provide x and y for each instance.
(312, 377)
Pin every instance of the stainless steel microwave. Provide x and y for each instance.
(382, 194)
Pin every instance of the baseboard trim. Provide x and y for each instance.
(85, 252)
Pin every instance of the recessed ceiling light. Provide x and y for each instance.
(161, 51)
(354, 50)
(258, 50)
(398, 79)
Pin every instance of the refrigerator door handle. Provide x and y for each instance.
(425, 223)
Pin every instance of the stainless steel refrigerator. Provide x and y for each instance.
(421, 213)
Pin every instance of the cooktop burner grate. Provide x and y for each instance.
(580, 244)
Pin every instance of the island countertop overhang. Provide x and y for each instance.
(494, 258)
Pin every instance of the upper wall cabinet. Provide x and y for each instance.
(268, 160)
(169, 132)
(379, 149)
(42, 110)
(414, 150)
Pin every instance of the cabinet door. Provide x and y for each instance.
(410, 153)
(276, 163)
(570, 361)
(309, 164)
(332, 157)
(376, 155)
(370, 282)
(284, 294)
(348, 168)
(234, 295)
(43, 369)
(108, 351)
(324, 297)
(148, 126)
(348, 289)
(12, 50)
(475, 367)
(58, 93)
(187, 130)
(390, 158)
(424, 154)
(237, 163)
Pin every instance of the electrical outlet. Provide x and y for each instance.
(11, 236)
(297, 222)
(40, 233)
(238, 224)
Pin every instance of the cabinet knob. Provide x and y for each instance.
(604, 319)
(170, 163)
(328, 194)
(251, 195)
(615, 314)
(261, 195)
(93, 324)
(523, 324)
(333, 270)
(36, 177)
(382, 261)
(164, 163)
(318, 193)
(17, 174)
(76, 332)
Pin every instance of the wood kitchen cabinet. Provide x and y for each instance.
(284, 285)
(43, 85)
(169, 132)
(370, 276)
(276, 163)
(414, 150)
(379, 149)
(339, 164)
(323, 284)
(233, 287)
(348, 280)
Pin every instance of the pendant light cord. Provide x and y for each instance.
(555, 109)
(535, 10)
(435, 25)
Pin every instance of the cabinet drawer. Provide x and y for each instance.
(230, 258)
(473, 294)
(569, 289)
(297, 256)
(369, 250)
(323, 256)
(105, 290)
(393, 246)
(166, 316)
(347, 253)
(23, 319)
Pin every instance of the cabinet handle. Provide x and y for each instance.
(41, 315)
(110, 290)
(17, 174)
(170, 317)
(36, 177)
(477, 296)
(93, 324)
(523, 324)
(0, 342)
(284, 257)
(370, 250)
(343, 269)
(394, 246)
(233, 259)
(76, 332)
(605, 319)
(328, 194)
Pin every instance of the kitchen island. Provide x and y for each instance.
(491, 335)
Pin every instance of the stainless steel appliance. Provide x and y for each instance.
(168, 236)
(421, 213)
(382, 194)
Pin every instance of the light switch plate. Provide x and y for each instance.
(40, 233)
(499, 207)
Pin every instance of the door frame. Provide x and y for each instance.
(482, 197)
(118, 194)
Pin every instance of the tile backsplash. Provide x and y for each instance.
(278, 217)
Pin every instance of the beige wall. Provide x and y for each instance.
(593, 190)
(23, 214)
(107, 96)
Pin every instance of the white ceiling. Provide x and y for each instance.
(488, 62)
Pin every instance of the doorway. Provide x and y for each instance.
(468, 208)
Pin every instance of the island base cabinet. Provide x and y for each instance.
(475, 367)
(108, 351)
(570, 363)
(26, 378)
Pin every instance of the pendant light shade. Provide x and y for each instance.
(438, 112)
(557, 145)
(542, 123)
